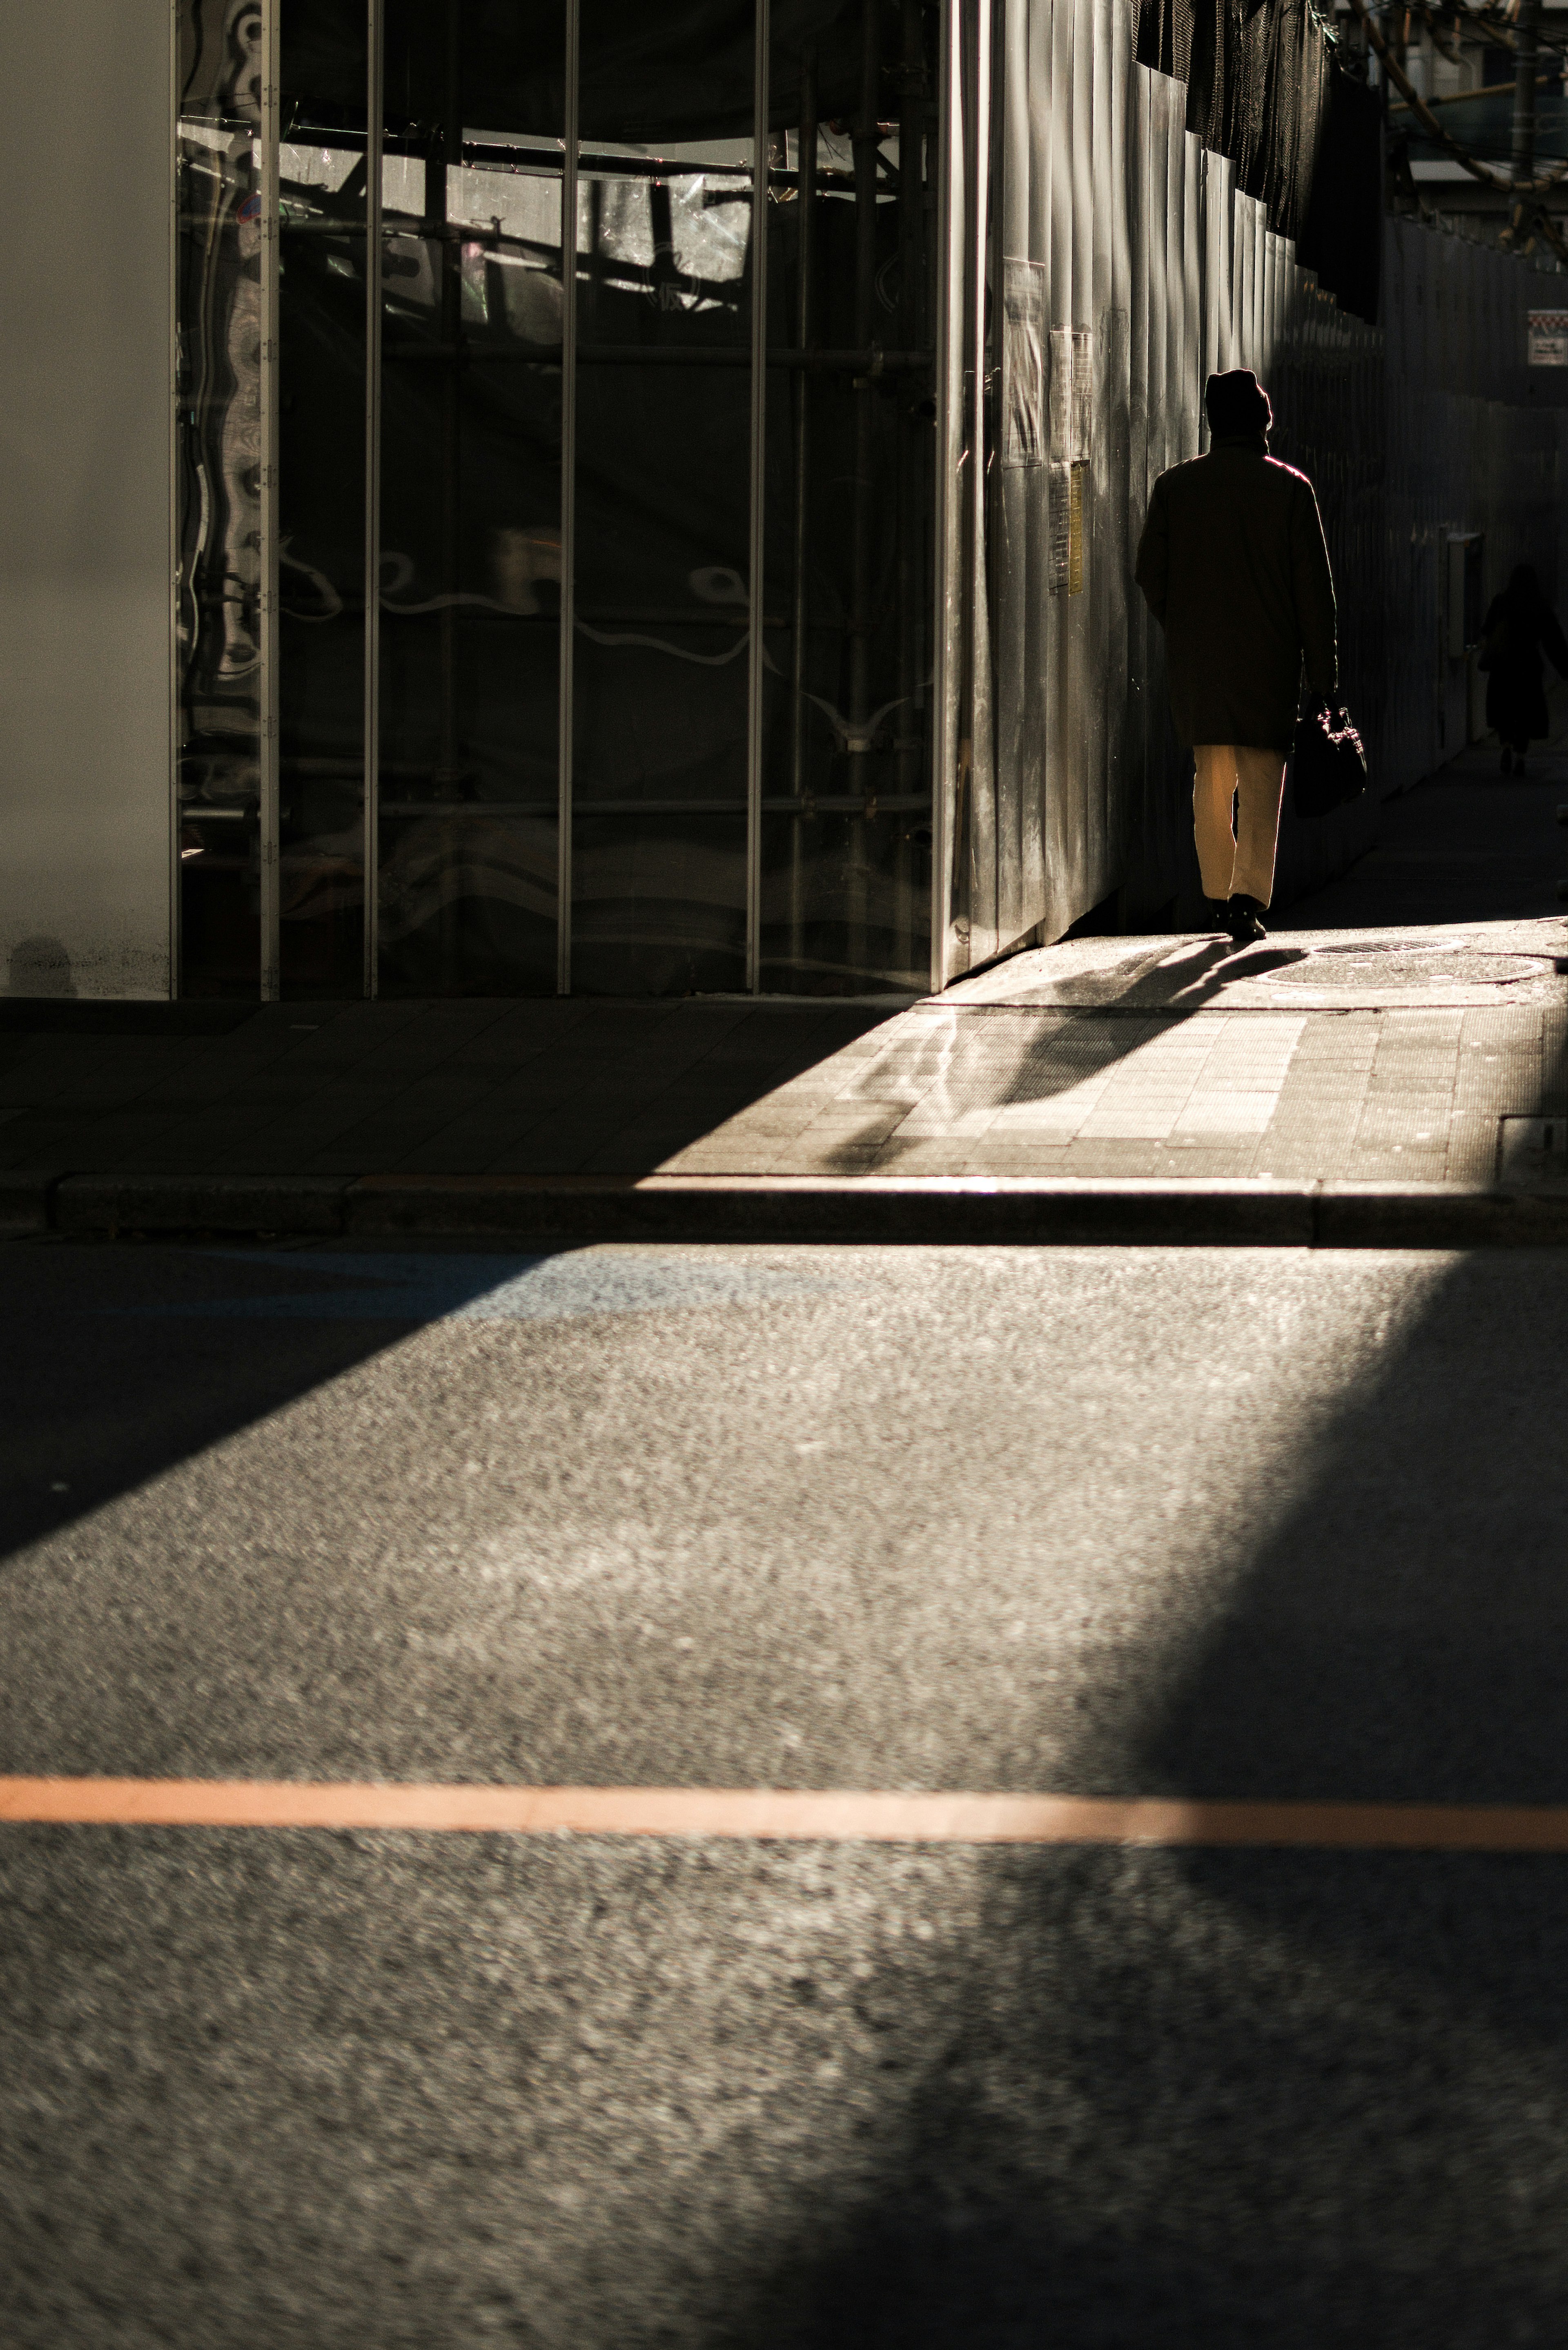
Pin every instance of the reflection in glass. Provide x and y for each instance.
(471, 499)
(662, 500)
(845, 851)
(321, 500)
(218, 523)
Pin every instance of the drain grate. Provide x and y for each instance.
(1399, 963)
(1532, 1145)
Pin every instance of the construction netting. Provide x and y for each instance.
(1266, 86)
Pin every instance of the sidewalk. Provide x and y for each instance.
(1406, 1040)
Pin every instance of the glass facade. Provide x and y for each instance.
(217, 394)
(558, 409)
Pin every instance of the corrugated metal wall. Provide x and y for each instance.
(1123, 268)
(1471, 447)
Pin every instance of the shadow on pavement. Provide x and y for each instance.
(1206, 2100)
(173, 1348)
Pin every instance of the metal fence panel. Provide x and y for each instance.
(1153, 271)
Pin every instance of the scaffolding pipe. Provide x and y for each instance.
(446, 153)
(911, 279)
(566, 723)
(372, 557)
(865, 393)
(756, 590)
(1526, 39)
(805, 240)
(268, 390)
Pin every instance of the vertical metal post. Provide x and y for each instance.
(267, 419)
(372, 720)
(806, 240)
(911, 221)
(805, 327)
(864, 144)
(913, 224)
(948, 567)
(443, 160)
(976, 195)
(760, 146)
(173, 422)
(1526, 37)
(568, 502)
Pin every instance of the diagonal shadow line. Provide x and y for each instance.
(1050, 1062)
(170, 1350)
(1204, 2101)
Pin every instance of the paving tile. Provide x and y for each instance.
(1132, 1124)
(1218, 1112)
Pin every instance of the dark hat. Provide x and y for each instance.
(1237, 402)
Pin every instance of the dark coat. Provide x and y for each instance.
(1519, 628)
(1233, 567)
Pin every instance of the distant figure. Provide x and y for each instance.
(1520, 627)
(1233, 567)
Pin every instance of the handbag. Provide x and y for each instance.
(1328, 766)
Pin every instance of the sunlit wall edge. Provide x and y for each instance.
(85, 500)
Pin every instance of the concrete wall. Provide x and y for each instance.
(84, 196)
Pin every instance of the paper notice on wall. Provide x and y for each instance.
(1022, 362)
(1071, 431)
(1548, 339)
(1071, 394)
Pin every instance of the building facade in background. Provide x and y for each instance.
(573, 497)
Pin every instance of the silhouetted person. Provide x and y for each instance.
(1233, 567)
(1520, 627)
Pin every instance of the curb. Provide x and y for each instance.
(1149, 1212)
(302, 1204)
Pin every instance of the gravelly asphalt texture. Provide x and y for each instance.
(1218, 1522)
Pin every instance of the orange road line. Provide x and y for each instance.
(835, 1816)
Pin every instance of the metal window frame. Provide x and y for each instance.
(176, 947)
(946, 584)
(948, 551)
(268, 388)
(761, 34)
(372, 714)
(568, 600)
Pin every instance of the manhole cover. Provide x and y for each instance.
(1372, 966)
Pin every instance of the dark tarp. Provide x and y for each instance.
(1264, 88)
(647, 73)
(1341, 236)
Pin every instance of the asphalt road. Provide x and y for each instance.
(1208, 1522)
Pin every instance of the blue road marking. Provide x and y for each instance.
(570, 1285)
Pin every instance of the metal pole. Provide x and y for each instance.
(761, 146)
(862, 510)
(569, 504)
(175, 861)
(912, 479)
(1527, 29)
(805, 321)
(372, 719)
(911, 197)
(445, 158)
(865, 145)
(948, 566)
(805, 239)
(267, 421)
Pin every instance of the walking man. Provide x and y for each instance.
(1233, 567)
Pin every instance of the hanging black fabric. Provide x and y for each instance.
(670, 73)
(1264, 88)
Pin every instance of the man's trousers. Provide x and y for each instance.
(1239, 861)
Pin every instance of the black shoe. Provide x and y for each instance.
(1505, 765)
(1241, 919)
(1219, 914)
